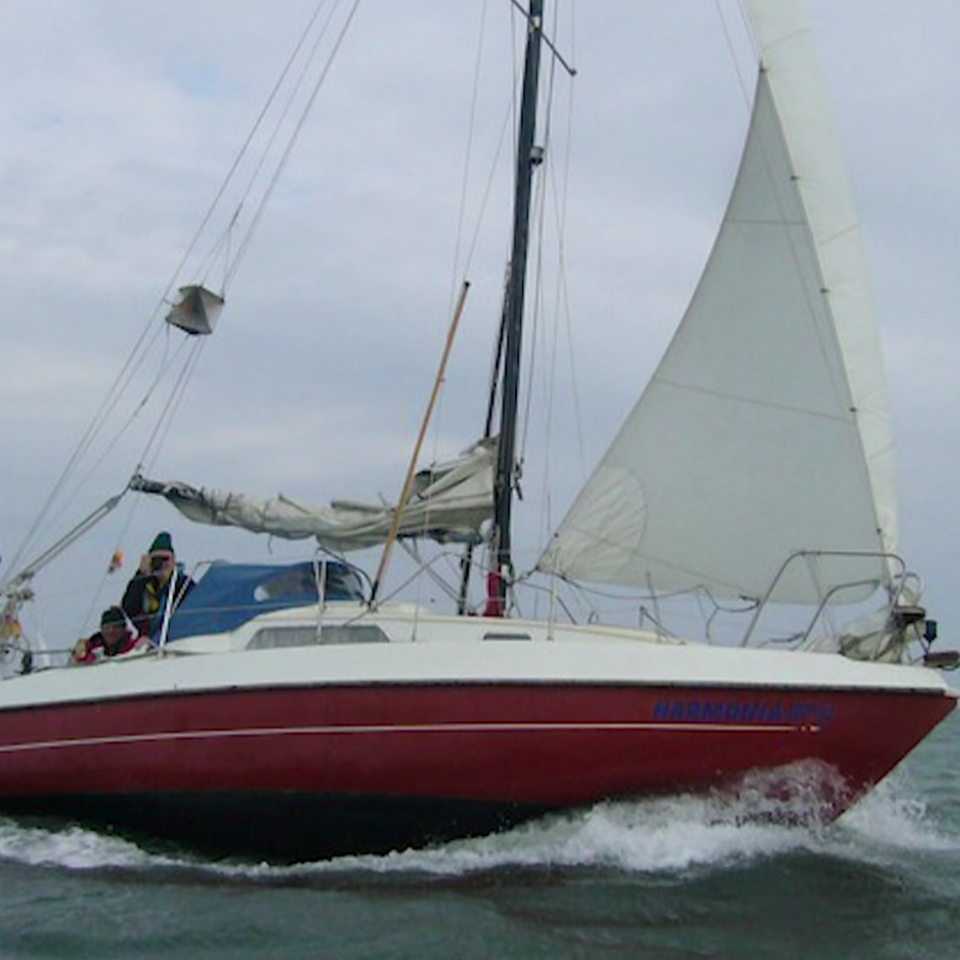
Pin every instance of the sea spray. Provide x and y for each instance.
(666, 835)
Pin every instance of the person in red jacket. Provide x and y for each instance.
(116, 635)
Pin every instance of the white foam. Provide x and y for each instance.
(71, 847)
(670, 834)
(673, 834)
(892, 819)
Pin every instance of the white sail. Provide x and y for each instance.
(764, 430)
(450, 502)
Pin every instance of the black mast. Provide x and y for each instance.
(527, 159)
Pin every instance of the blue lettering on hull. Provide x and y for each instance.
(758, 712)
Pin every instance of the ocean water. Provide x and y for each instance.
(668, 879)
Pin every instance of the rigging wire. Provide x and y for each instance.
(258, 213)
(455, 276)
(562, 313)
(548, 185)
(156, 439)
(145, 345)
(536, 316)
(539, 205)
(505, 128)
(247, 143)
(108, 405)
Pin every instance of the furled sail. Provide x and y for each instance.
(450, 502)
(764, 431)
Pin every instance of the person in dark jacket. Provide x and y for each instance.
(117, 635)
(146, 595)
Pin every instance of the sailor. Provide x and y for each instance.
(145, 598)
(117, 635)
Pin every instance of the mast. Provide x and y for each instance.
(527, 159)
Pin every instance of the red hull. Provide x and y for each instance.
(519, 749)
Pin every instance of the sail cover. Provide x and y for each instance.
(765, 429)
(450, 502)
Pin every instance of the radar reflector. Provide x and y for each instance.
(197, 310)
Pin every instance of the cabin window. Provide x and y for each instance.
(344, 583)
(301, 581)
(297, 582)
(270, 638)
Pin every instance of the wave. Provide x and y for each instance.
(680, 834)
(666, 835)
(73, 847)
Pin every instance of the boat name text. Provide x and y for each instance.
(743, 711)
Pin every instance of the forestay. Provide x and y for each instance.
(765, 429)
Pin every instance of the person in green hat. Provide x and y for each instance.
(145, 598)
(117, 635)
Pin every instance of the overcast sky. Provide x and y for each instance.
(121, 119)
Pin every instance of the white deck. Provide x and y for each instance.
(420, 647)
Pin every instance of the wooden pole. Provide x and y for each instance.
(411, 469)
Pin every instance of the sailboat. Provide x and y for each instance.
(287, 711)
